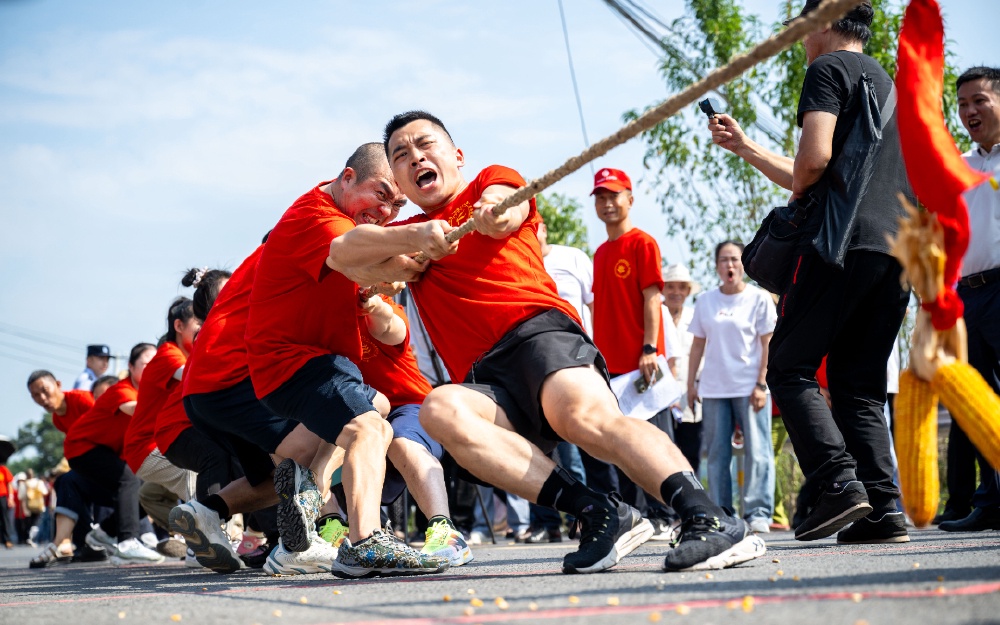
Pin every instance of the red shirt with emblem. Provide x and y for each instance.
(104, 424)
(219, 357)
(298, 305)
(392, 369)
(157, 383)
(622, 269)
(468, 301)
(77, 404)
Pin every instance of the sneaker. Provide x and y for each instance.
(333, 529)
(544, 535)
(445, 541)
(665, 529)
(250, 543)
(611, 529)
(759, 525)
(888, 528)
(149, 539)
(172, 547)
(298, 505)
(132, 551)
(90, 555)
(383, 554)
(258, 558)
(52, 555)
(476, 538)
(318, 558)
(841, 504)
(191, 560)
(708, 542)
(201, 528)
(97, 538)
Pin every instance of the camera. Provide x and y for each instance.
(710, 107)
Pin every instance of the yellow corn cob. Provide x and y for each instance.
(917, 447)
(973, 405)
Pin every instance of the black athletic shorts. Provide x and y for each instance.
(512, 372)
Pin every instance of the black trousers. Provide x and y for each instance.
(852, 316)
(112, 483)
(216, 467)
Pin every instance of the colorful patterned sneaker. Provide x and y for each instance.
(708, 542)
(611, 530)
(201, 528)
(97, 538)
(444, 540)
(318, 558)
(52, 555)
(298, 505)
(133, 551)
(333, 529)
(383, 554)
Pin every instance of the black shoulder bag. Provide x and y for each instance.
(769, 257)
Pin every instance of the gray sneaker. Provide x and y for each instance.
(298, 505)
(383, 554)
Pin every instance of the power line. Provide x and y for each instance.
(29, 361)
(40, 337)
(572, 75)
(33, 352)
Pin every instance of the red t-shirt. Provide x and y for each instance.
(468, 301)
(104, 424)
(299, 307)
(157, 383)
(622, 269)
(219, 357)
(6, 477)
(392, 369)
(172, 419)
(77, 404)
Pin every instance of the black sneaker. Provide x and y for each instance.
(708, 542)
(887, 528)
(87, 554)
(665, 529)
(842, 504)
(610, 530)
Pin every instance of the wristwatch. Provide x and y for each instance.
(648, 349)
(762, 387)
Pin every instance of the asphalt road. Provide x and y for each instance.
(935, 578)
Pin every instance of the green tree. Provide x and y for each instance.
(709, 194)
(46, 441)
(564, 220)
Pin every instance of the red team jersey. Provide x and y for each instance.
(299, 307)
(468, 301)
(172, 420)
(622, 269)
(77, 404)
(219, 357)
(104, 424)
(392, 369)
(157, 383)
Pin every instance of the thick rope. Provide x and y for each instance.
(828, 11)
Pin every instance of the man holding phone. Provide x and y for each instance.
(627, 285)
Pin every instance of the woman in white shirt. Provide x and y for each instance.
(732, 327)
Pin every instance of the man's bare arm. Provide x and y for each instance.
(498, 227)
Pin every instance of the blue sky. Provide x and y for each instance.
(139, 139)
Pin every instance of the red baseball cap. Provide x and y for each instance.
(611, 179)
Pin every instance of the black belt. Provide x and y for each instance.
(976, 280)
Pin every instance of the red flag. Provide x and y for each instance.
(936, 169)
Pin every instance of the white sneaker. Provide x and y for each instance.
(201, 528)
(759, 525)
(149, 539)
(132, 551)
(190, 561)
(318, 558)
(98, 539)
(476, 538)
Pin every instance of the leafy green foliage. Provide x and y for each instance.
(709, 194)
(46, 441)
(564, 220)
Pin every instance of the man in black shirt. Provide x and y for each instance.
(852, 313)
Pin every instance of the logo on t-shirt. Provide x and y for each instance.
(623, 269)
(368, 348)
(460, 215)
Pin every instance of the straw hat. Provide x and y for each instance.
(680, 273)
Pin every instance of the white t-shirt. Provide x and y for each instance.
(984, 214)
(573, 273)
(732, 326)
(677, 340)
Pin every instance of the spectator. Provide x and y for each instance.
(851, 312)
(6, 506)
(32, 493)
(979, 288)
(627, 321)
(98, 357)
(732, 328)
(677, 287)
